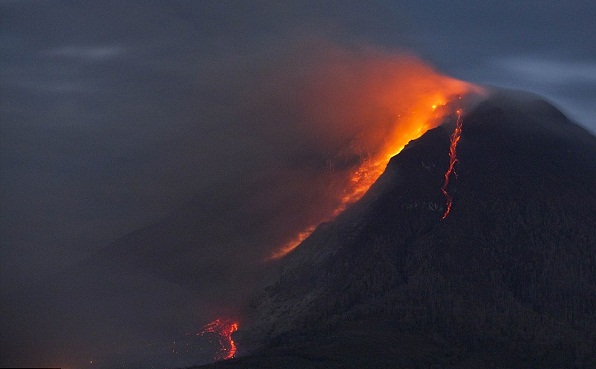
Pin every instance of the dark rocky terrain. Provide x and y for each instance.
(507, 280)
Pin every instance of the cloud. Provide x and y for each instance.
(87, 52)
(545, 71)
(568, 83)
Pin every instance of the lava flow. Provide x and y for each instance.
(410, 127)
(223, 328)
(368, 111)
(455, 136)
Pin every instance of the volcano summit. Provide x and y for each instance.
(506, 280)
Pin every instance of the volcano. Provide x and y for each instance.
(506, 280)
(474, 249)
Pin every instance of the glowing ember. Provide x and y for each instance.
(223, 328)
(455, 136)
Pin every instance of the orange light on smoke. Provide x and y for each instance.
(398, 101)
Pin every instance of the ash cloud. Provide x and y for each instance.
(116, 114)
(184, 122)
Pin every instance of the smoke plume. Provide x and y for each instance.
(253, 146)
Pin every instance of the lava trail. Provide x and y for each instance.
(455, 136)
(223, 328)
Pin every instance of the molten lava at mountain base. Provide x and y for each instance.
(455, 136)
(223, 329)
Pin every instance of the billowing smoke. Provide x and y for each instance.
(308, 136)
(291, 147)
(262, 144)
(350, 112)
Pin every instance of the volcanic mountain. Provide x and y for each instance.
(506, 280)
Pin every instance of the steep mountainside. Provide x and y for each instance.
(507, 280)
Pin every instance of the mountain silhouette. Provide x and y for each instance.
(507, 280)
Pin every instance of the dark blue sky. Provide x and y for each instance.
(113, 114)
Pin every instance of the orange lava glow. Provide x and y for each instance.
(293, 243)
(223, 329)
(455, 136)
(393, 103)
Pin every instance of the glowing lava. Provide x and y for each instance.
(223, 329)
(455, 136)
(410, 127)
(370, 109)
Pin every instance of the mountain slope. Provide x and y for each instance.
(507, 280)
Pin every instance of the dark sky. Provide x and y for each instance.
(116, 113)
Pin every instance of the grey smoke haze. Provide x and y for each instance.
(114, 115)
